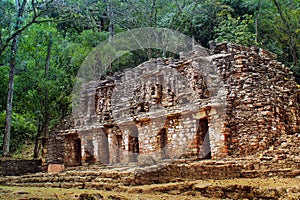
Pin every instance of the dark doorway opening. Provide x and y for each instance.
(162, 142)
(72, 150)
(89, 152)
(119, 148)
(103, 146)
(77, 149)
(133, 142)
(202, 139)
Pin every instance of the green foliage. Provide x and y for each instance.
(280, 33)
(192, 18)
(23, 127)
(4, 70)
(2, 125)
(90, 38)
(236, 30)
(134, 58)
(6, 14)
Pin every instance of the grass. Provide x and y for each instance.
(166, 191)
(13, 193)
(26, 152)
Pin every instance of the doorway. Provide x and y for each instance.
(77, 149)
(133, 144)
(72, 150)
(162, 142)
(202, 139)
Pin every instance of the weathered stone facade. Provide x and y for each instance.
(228, 100)
(63, 145)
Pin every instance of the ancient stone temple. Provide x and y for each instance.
(226, 101)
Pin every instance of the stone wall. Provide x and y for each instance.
(262, 99)
(14, 167)
(53, 151)
(63, 146)
(228, 100)
(155, 109)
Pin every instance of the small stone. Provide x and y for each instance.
(284, 144)
(21, 192)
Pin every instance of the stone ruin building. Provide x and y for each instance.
(226, 101)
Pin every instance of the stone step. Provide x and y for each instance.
(80, 185)
(101, 185)
(66, 179)
(211, 189)
(154, 174)
(284, 173)
(107, 180)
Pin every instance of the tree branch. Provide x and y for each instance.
(33, 7)
(22, 8)
(289, 32)
(17, 32)
(34, 20)
(281, 15)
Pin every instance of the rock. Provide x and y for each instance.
(284, 145)
(21, 192)
(86, 196)
(145, 160)
(116, 197)
(56, 168)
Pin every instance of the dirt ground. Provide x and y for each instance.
(30, 193)
(271, 188)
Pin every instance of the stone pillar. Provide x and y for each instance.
(216, 134)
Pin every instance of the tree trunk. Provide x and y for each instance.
(14, 46)
(256, 21)
(152, 20)
(8, 119)
(111, 26)
(37, 141)
(46, 103)
(43, 124)
(110, 12)
(292, 37)
(152, 23)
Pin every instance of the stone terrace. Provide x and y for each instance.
(111, 177)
